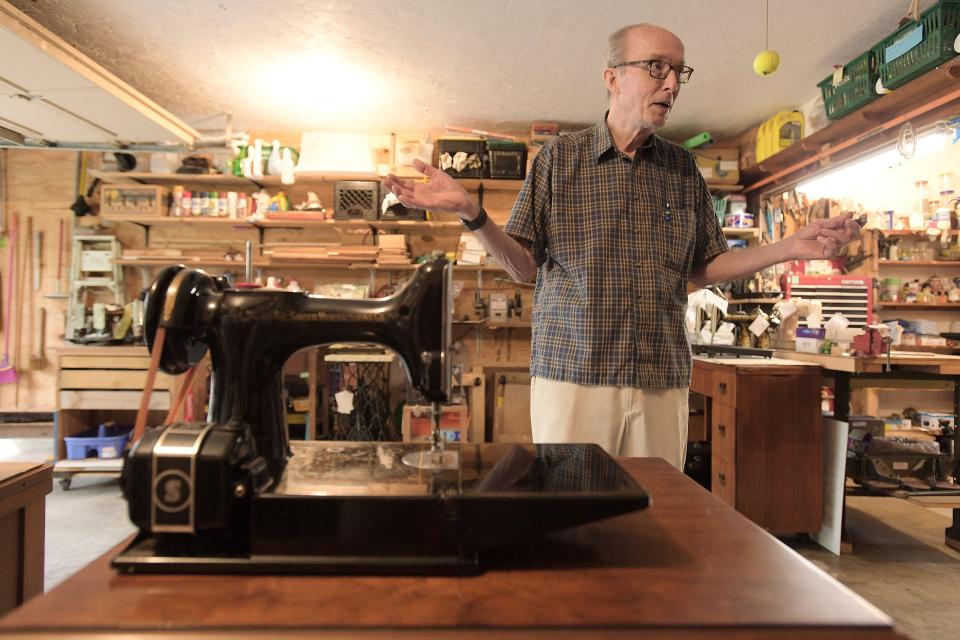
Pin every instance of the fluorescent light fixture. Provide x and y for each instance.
(325, 152)
(865, 170)
(320, 89)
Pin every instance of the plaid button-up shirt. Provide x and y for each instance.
(615, 241)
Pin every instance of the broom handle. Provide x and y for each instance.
(141, 424)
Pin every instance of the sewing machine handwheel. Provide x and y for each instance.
(181, 350)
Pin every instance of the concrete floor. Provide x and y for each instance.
(899, 562)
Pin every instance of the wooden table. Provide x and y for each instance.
(23, 490)
(904, 365)
(687, 567)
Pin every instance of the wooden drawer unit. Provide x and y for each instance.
(765, 432)
(723, 385)
(101, 384)
(723, 431)
(723, 479)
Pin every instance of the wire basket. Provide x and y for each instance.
(856, 89)
(917, 47)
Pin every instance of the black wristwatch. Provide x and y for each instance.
(477, 222)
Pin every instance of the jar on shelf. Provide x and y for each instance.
(923, 197)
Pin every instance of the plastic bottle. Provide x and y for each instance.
(273, 164)
(286, 167)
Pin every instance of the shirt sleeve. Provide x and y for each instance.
(531, 213)
(710, 239)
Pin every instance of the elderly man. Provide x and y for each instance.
(614, 220)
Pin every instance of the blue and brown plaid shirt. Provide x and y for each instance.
(615, 240)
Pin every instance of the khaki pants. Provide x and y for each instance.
(625, 421)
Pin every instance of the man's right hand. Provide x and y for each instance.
(440, 193)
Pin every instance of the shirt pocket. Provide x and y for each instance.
(676, 238)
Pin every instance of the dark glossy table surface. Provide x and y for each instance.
(689, 567)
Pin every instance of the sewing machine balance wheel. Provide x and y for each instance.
(175, 301)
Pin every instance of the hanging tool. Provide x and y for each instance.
(39, 357)
(37, 258)
(58, 287)
(8, 372)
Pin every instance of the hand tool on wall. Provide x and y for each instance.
(37, 258)
(8, 372)
(58, 291)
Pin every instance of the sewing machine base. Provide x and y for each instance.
(355, 508)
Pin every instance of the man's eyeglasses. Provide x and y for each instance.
(660, 69)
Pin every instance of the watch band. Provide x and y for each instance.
(477, 222)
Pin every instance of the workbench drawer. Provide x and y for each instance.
(723, 480)
(723, 432)
(110, 379)
(724, 387)
(700, 379)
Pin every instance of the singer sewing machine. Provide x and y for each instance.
(235, 495)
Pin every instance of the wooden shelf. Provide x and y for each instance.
(171, 179)
(863, 123)
(408, 225)
(754, 300)
(919, 306)
(911, 232)
(489, 184)
(187, 260)
(508, 324)
(919, 263)
(739, 232)
(725, 188)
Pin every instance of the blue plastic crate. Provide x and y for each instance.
(106, 441)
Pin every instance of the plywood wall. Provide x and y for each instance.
(39, 187)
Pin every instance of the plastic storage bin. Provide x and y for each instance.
(107, 440)
(917, 47)
(857, 87)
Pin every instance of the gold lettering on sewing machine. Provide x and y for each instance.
(326, 316)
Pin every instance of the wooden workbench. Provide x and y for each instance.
(687, 567)
(23, 490)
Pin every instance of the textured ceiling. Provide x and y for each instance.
(404, 66)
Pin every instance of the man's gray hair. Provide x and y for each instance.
(617, 43)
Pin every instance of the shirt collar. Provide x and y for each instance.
(604, 147)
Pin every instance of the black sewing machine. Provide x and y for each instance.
(232, 495)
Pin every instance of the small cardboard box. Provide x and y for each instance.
(718, 165)
(418, 423)
(139, 200)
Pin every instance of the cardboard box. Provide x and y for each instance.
(417, 423)
(718, 165)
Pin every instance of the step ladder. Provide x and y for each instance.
(93, 271)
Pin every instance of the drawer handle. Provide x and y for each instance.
(722, 429)
(722, 477)
(723, 387)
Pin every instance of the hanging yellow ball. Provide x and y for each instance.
(766, 63)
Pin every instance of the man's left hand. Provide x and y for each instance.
(823, 238)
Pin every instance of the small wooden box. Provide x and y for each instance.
(136, 200)
(418, 426)
(718, 165)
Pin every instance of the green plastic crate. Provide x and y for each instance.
(917, 47)
(858, 87)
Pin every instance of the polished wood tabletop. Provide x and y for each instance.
(687, 567)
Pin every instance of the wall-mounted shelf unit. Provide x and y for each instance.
(925, 99)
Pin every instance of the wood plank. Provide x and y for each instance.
(127, 400)
(104, 362)
(110, 379)
(936, 502)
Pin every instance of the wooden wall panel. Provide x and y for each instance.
(39, 188)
